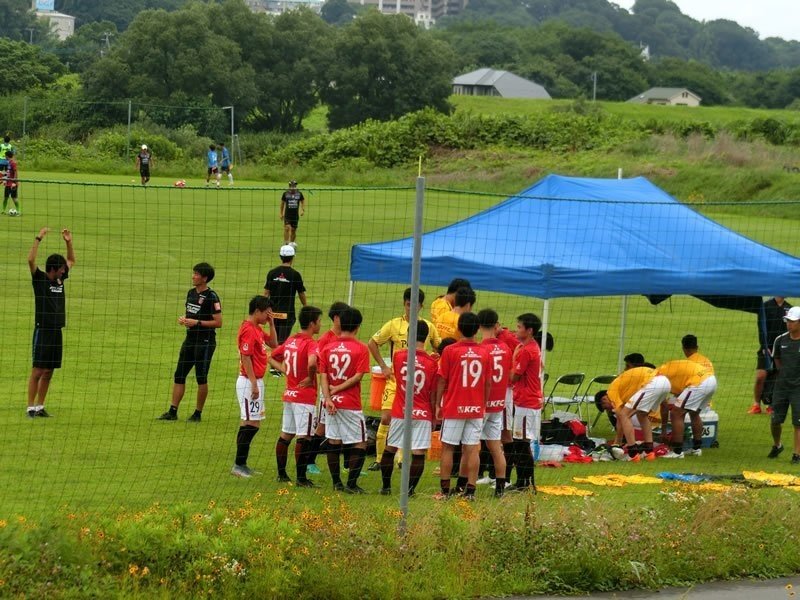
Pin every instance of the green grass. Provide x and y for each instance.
(103, 452)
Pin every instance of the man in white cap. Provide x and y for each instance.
(143, 160)
(282, 284)
(786, 354)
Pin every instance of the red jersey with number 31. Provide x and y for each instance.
(341, 360)
(464, 366)
(252, 342)
(424, 380)
(500, 365)
(294, 354)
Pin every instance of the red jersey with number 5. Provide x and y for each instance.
(252, 342)
(294, 353)
(500, 365)
(424, 380)
(528, 389)
(464, 366)
(340, 361)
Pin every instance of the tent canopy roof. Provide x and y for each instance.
(568, 237)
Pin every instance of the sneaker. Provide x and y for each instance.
(672, 454)
(241, 471)
(628, 458)
(284, 479)
(313, 470)
(386, 492)
(795, 459)
(650, 456)
(195, 418)
(485, 481)
(694, 452)
(42, 413)
(375, 466)
(776, 450)
(168, 416)
(306, 483)
(618, 453)
(769, 410)
(355, 490)
(31, 413)
(754, 410)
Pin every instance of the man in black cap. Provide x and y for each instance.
(293, 206)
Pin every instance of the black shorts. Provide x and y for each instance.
(781, 401)
(47, 348)
(226, 168)
(212, 170)
(764, 362)
(11, 192)
(144, 171)
(283, 329)
(197, 354)
(292, 220)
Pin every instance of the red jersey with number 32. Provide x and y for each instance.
(294, 354)
(252, 342)
(341, 360)
(528, 389)
(500, 365)
(464, 366)
(424, 380)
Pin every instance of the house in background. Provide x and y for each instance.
(491, 82)
(667, 97)
(61, 25)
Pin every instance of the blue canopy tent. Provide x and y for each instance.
(568, 237)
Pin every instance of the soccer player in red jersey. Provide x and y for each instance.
(494, 418)
(425, 368)
(462, 390)
(509, 339)
(526, 377)
(297, 359)
(253, 342)
(343, 364)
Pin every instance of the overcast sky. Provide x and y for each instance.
(770, 18)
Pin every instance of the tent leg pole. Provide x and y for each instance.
(622, 328)
(351, 292)
(545, 326)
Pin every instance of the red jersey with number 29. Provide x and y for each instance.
(424, 380)
(500, 365)
(528, 389)
(252, 342)
(294, 354)
(340, 361)
(464, 366)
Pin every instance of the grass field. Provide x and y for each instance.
(104, 456)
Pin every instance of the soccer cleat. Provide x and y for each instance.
(693, 452)
(795, 459)
(42, 413)
(241, 471)
(168, 416)
(338, 487)
(628, 458)
(441, 496)
(386, 492)
(313, 470)
(195, 418)
(284, 479)
(776, 450)
(31, 413)
(754, 410)
(355, 490)
(650, 456)
(672, 454)
(485, 481)
(375, 466)
(618, 453)
(306, 483)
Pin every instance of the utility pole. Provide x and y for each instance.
(594, 86)
(30, 30)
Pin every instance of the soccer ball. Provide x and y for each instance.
(180, 183)
(12, 212)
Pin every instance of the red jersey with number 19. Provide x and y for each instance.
(294, 354)
(340, 361)
(500, 364)
(464, 366)
(252, 342)
(424, 380)
(528, 389)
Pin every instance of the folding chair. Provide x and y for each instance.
(587, 397)
(569, 382)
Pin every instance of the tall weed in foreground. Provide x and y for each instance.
(287, 545)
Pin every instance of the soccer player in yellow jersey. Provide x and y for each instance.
(692, 385)
(690, 351)
(445, 303)
(447, 326)
(395, 333)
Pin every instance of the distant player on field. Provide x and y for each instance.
(212, 162)
(293, 206)
(226, 164)
(343, 364)
(5, 146)
(202, 318)
(297, 359)
(11, 184)
(143, 161)
(252, 341)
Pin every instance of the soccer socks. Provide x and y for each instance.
(230, 178)
(417, 468)
(486, 464)
(387, 466)
(461, 484)
(509, 449)
(243, 440)
(524, 463)
(314, 448)
(469, 491)
(677, 447)
(301, 447)
(499, 486)
(334, 453)
(697, 444)
(380, 441)
(282, 454)
(357, 456)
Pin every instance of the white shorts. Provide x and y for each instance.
(492, 426)
(322, 414)
(250, 410)
(420, 434)
(527, 423)
(461, 431)
(650, 396)
(696, 398)
(298, 419)
(346, 425)
(508, 411)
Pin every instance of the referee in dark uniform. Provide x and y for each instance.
(51, 317)
(293, 206)
(282, 284)
(203, 317)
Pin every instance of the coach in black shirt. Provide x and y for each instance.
(786, 352)
(202, 318)
(282, 284)
(51, 317)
